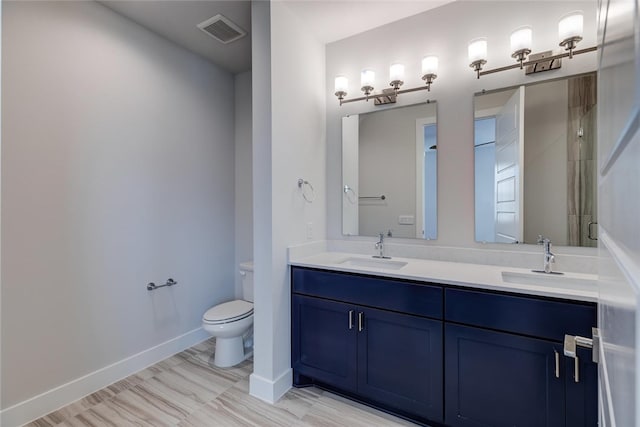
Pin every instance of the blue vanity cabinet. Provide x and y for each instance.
(378, 340)
(324, 341)
(400, 362)
(443, 355)
(582, 396)
(505, 366)
(499, 379)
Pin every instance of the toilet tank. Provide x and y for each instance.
(246, 271)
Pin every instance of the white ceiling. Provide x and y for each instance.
(332, 20)
(177, 20)
(328, 20)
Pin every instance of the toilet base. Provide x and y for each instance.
(230, 352)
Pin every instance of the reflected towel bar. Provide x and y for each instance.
(383, 197)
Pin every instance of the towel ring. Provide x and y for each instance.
(350, 194)
(307, 190)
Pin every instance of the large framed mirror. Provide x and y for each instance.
(389, 172)
(535, 160)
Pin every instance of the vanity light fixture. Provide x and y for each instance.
(367, 78)
(341, 85)
(396, 75)
(521, 43)
(429, 70)
(570, 30)
(477, 54)
(396, 80)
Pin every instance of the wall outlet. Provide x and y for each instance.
(406, 219)
(309, 230)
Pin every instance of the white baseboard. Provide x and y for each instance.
(65, 394)
(270, 391)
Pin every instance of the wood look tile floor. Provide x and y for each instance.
(186, 390)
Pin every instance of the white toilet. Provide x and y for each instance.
(232, 324)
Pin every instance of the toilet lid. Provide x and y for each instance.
(229, 311)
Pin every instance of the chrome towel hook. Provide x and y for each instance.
(307, 190)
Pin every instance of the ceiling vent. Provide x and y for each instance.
(222, 29)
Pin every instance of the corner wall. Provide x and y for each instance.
(117, 170)
(289, 143)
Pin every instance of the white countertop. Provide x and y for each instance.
(572, 286)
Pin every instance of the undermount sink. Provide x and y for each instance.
(373, 263)
(545, 279)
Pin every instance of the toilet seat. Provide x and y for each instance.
(228, 312)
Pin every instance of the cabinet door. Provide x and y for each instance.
(324, 341)
(400, 362)
(496, 379)
(582, 396)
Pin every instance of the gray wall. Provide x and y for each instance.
(432, 32)
(243, 175)
(117, 170)
(546, 108)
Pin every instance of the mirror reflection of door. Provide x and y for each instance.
(499, 159)
(485, 166)
(508, 171)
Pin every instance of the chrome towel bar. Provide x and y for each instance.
(152, 286)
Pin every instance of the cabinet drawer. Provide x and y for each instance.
(521, 315)
(389, 294)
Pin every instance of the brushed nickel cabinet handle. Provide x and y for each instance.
(360, 321)
(350, 319)
(572, 342)
(557, 355)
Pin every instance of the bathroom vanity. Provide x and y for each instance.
(443, 353)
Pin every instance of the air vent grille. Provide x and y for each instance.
(222, 29)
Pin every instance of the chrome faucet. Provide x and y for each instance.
(380, 247)
(549, 257)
